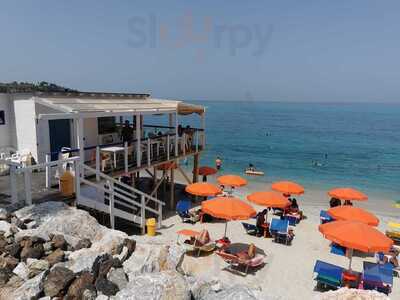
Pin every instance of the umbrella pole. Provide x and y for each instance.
(226, 225)
(350, 258)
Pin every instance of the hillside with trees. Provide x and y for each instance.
(28, 87)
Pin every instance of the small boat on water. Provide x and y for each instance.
(254, 172)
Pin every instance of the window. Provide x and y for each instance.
(2, 118)
(106, 125)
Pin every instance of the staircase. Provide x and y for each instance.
(117, 199)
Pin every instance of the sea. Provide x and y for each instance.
(319, 145)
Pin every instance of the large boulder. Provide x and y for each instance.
(22, 271)
(5, 275)
(82, 283)
(8, 229)
(210, 291)
(31, 288)
(118, 277)
(74, 224)
(149, 258)
(58, 280)
(36, 266)
(161, 285)
(55, 257)
(8, 262)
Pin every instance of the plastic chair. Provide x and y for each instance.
(328, 275)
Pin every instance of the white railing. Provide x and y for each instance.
(130, 196)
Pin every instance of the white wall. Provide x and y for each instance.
(25, 124)
(7, 131)
(90, 132)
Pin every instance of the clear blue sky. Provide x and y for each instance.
(318, 50)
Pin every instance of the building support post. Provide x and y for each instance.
(176, 135)
(28, 186)
(48, 171)
(172, 189)
(13, 184)
(138, 142)
(203, 133)
(196, 167)
(81, 144)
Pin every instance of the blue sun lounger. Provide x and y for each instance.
(328, 275)
(338, 250)
(250, 228)
(324, 217)
(279, 229)
(182, 208)
(377, 277)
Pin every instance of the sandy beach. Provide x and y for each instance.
(288, 273)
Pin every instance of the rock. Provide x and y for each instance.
(149, 258)
(31, 289)
(131, 245)
(45, 298)
(89, 294)
(123, 255)
(118, 277)
(59, 242)
(83, 243)
(83, 282)
(8, 262)
(58, 279)
(22, 271)
(102, 297)
(36, 266)
(102, 265)
(7, 291)
(82, 260)
(55, 257)
(162, 285)
(9, 229)
(4, 215)
(35, 251)
(106, 287)
(74, 224)
(3, 243)
(13, 249)
(48, 246)
(5, 275)
(31, 225)
(17, 222)
(117, 249)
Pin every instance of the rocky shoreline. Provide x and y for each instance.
(53, 251)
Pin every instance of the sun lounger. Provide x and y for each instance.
(324, 217)
(235, 262)
(377, 277)
(293, 220)
(183, 209)
(279, 230)
(388, 265)
(338, 250)
(250, 228)
(328, 275)
(193, 244)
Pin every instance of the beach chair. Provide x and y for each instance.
(193, 244)
(387, 265)
(293, 220)
(324, 217)
(234, 262)
(393, 232)
(182, 208)
(250, 228)
(279, 230)
(328, 275)
(338, 250)
(377, 277)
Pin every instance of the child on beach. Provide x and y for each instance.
(218, 163)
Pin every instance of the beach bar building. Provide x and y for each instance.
(83, 131)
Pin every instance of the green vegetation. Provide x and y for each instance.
(27, 87)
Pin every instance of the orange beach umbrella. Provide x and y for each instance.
(351, 213)
(288, 187)
(356, 235)
(348, 194)
(269, 199)
(167, 166)
(232, 180)
(206, 171)
(203, 189)
(228, 208)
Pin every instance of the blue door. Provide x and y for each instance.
(60, 136)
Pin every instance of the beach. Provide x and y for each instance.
(288, 273)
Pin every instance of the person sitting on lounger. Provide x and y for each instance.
(294, 209)
(249, 254)
(348, 202)
(392, 256)
(260, 223)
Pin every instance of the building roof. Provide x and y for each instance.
(102, 104)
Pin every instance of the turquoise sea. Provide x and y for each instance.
(318, 145)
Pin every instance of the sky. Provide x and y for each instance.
(324, 51)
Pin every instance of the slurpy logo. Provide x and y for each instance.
(148, 31)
